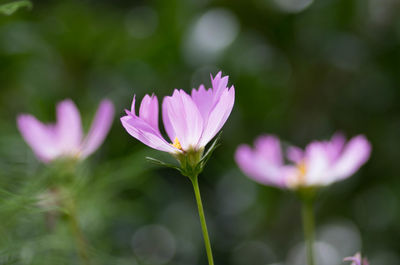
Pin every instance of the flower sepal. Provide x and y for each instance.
(191, 162)
(162, 163)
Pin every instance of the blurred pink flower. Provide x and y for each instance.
(65, 137)
(357, 260)
(320, 164)
(190, 121)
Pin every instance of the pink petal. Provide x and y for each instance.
(100, 127)
(295, 154)
(144, 127)
(142, 131)
(335, 146)
(69, 127)
(182, 119)
(204, 100)
(258, 168)
(41, 138)
(165, 117)
(149, 110)
(354, 155)
(244, 157)
(133, 108)
(207, 99)
(218, 115)
(219, 84)
(356, 259)
(269, 147)
(317, 164)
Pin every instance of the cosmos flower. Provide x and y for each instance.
(65, 137)
(357, 260)
(191, 121)
(320, 164)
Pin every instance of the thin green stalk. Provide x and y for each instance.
(308, 226)
(79, 237)
(202, 220)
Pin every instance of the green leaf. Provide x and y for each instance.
(10, 8)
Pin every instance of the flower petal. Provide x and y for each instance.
(142, 131)
(204, 100)
(144, 128)
(182, 119)
(149, 110)
(101, 125)
(219, 84)
(335, 146)
(166, 121)
(258, 168)
(295, 154)
(356, 259)
(269, 147)
(69, 126)
(218, 115)
(356, 152)
(40, 137)
(317, 164)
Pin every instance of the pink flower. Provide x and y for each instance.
(190, 121)
(65, 139)
(320, 164)
(356, 260)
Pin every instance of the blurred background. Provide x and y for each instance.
(302, 69)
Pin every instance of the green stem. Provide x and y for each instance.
(202, 220)
(79, 237)
(308, 226)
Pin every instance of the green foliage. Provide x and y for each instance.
(12, 7)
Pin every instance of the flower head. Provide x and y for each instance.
(357, 260)
(191, 121)
(65, 137)
(320, 164)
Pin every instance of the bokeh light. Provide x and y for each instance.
(210, 34)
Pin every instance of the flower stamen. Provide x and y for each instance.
(298, 178)
(177, 144)
(302, 170)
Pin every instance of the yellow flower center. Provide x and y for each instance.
(298, 179)
(177, 144)
(302, 170)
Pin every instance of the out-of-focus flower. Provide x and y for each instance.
(357, 260)
(190, 121)
(320, 164)
(65, 137)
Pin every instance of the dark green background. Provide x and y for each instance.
(333, 66)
